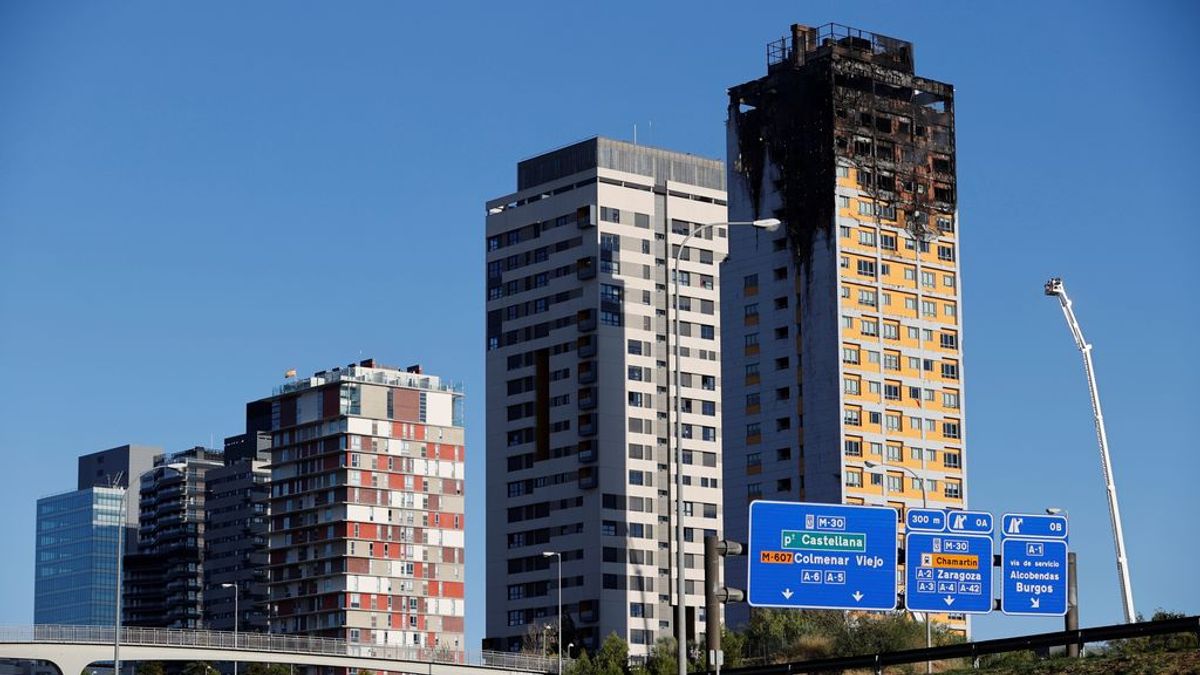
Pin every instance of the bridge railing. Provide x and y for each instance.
(267, 642)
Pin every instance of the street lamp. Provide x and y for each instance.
(558, 636)
(871, 464)
(122, 520)
(235, 620)
(680, 608)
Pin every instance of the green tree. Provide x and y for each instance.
(879, 633)
(1153, 643)
(150, 668)
(582, 665)
(661, 660)
(782, 635)
(199, 668)
(612, 657)
(733, 644)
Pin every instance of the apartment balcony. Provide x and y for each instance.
(587, 452)
(586, 372)
(585, 320)
(587, 425)
(585, 346)
(585, 268)
(586, 398)
(588, 478)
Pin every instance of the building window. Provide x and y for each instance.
(850, 355)
(853, 479)
(853, 417)
(953, 489)
(951, 460)
(853, 447)
(866, 268)
(851, 385)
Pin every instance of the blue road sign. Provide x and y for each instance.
(948, 573)
(925, 520)
(821, 556)
(969, 522)
(1033, 576)
(1033, 526)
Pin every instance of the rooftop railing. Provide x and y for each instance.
(371, 376)
(273, 643)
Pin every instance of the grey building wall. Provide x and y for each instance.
(577, 368)
(236, 516)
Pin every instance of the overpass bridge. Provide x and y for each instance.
(73, 648)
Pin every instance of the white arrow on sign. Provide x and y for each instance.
(1035, 603)
(948, 600)
(857, 596)
(787, 594)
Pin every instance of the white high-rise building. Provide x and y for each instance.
(578, 435)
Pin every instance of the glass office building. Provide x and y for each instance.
(76, 566)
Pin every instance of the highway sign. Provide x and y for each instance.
(948, 573)
(821, 556)
(1030, 525)
(925, 520)
(969, 522)
(1033, 576)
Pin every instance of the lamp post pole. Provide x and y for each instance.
(924, 504)
(680, 607)
(558, 635)
(120, 585)
(236, 617)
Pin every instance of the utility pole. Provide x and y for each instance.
(715, 595)
(1072, 617)
(1054, 287)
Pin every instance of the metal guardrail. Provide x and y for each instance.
(974, 650)
(274, 643)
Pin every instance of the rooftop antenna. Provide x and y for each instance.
(635, 133)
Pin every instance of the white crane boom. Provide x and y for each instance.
(1055, 287)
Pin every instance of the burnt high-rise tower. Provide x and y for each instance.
(843, 338)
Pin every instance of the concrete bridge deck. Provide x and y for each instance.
(73, 648)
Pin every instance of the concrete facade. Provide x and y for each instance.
(577, 392)
(367, 497)
(844, 382)
(236, 512)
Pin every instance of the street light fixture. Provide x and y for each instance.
(680, 607)
(871, 464)
(236, 616)
(558, 635)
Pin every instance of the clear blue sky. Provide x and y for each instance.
(195, 197)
